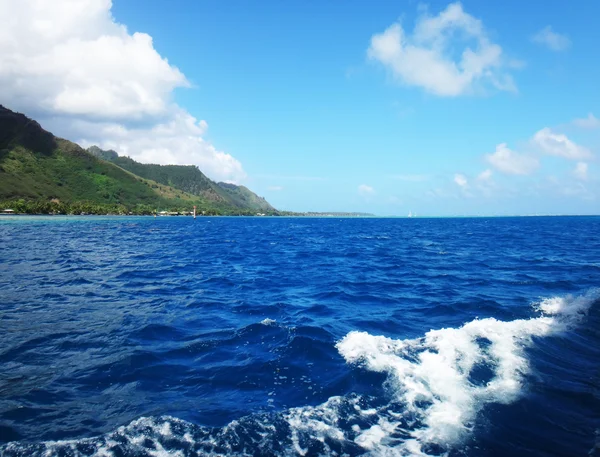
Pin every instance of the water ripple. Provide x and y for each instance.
(112, 327)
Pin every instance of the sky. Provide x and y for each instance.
(386, 107)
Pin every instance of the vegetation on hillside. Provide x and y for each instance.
(189, 179)
(40, 173)
(243, 197)
(23, 206)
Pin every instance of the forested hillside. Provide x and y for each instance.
(40, 173)
(190, 179)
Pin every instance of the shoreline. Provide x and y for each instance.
(299, 216)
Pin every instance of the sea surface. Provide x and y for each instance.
(263, 336)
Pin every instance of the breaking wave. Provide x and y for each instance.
(436, 388)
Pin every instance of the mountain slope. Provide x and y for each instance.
(190, 179)
(37, 167)
(242, 196)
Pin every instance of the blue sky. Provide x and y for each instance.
(350, 105)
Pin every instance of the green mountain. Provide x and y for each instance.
(40, 173)
(190, 179)
(242, 197)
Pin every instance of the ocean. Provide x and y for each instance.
(134, 336)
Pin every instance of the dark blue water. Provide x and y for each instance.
(291, 336)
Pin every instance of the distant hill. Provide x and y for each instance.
(242, 196)
(109, 155)
(189, 179)
(41, 173)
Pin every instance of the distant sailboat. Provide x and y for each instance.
(410, 214)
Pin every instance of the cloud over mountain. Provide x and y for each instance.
(68, 62)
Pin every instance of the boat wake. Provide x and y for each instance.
(436, 388)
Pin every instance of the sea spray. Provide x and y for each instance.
(433, 376)
(437, 385)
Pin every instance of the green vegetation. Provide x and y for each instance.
(243, 197)
(23, 206)
(189, 179)
(42, 174)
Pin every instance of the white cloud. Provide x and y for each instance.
(485, 175)
(70, 57)
(543, 142)
(559, 145)
(425, 59)
(589, 122)
(461, 180)
(69, 63)
(552, 40)
(366, 191)
(581, 171)
(511, 162)
(177, 141)
(486, 185)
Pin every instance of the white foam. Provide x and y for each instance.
(569, 308)
(165, 429)
(432, 376)
(435, 395)
(268, 321)
(373, 436)
(319, 422)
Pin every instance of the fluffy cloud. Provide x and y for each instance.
(545, 141)
(558, 144)
(461, 180)
(486, 185)
(366, 191)
(69, 63)
(552, 40)
(511, 162)
(581, 171)
(177, 141)
(485, 175)
(424, 58)
(70, 57)
(589, 122)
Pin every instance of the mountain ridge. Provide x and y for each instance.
(188, 178)
(42, 173)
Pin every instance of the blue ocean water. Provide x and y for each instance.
(298, 336)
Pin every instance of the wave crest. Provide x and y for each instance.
(444, 378)
(436, 386)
